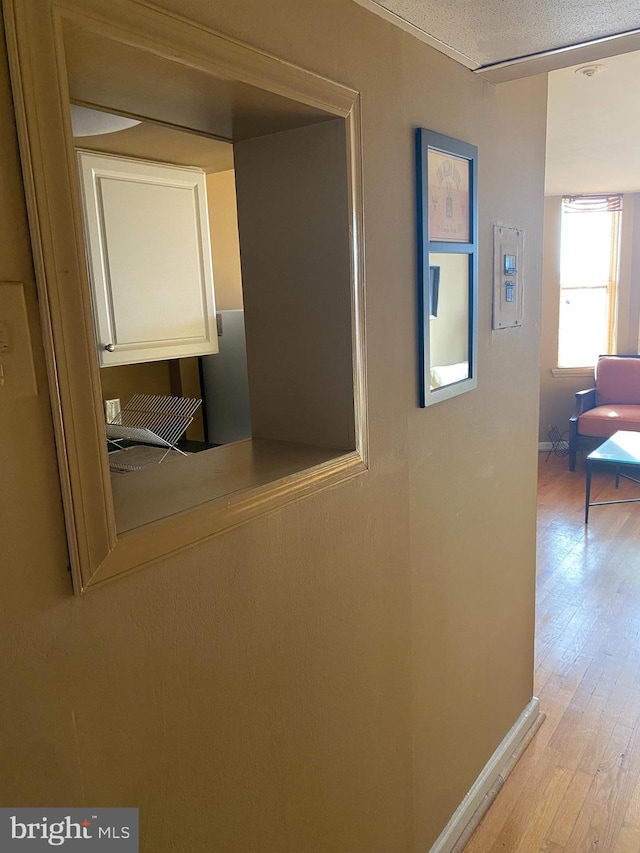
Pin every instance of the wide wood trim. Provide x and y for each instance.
(448, 839)
(358, 335)
(36, 55)
(90, 524)
(155, 541)
(145, 26)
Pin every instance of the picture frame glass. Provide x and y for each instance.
(449, 197)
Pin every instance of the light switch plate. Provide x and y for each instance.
(508, 277)
(17, 373)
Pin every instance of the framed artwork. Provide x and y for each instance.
(446, 181)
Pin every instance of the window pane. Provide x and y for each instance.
(583, 326)
(586, 249)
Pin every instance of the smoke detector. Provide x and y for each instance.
(590, 70)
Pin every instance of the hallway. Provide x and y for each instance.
(577, 786)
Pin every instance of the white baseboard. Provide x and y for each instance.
(545, 445)
(486, 781)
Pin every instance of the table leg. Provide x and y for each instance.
(588, 493)
(617, 476)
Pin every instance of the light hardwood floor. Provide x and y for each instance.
(577, 786)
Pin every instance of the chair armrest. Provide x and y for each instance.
(585, 400)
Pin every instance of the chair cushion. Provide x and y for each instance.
(603, 421)
(618, 381)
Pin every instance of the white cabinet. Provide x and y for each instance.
(149, 257)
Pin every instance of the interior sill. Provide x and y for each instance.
(217, 475)
(567, 372)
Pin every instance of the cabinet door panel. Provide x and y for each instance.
(149, 259)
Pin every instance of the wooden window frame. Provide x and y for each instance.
(611, 287)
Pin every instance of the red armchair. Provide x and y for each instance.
(612, 405)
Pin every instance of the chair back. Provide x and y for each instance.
(618, 380)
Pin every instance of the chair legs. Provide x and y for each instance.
(573, 441)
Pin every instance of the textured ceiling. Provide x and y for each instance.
(593, 129)
(495, 31)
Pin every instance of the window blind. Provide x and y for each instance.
(592, 203)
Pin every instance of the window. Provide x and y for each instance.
(589, 250)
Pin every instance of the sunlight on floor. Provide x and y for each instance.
(577, 787)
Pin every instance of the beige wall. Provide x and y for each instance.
(225, 249)
(557, 393)
(125, 380)
(335, 675)
(294, 232)
(178, 377)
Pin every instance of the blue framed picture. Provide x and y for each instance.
(447, 221)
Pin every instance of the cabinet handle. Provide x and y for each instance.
(110, 347)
